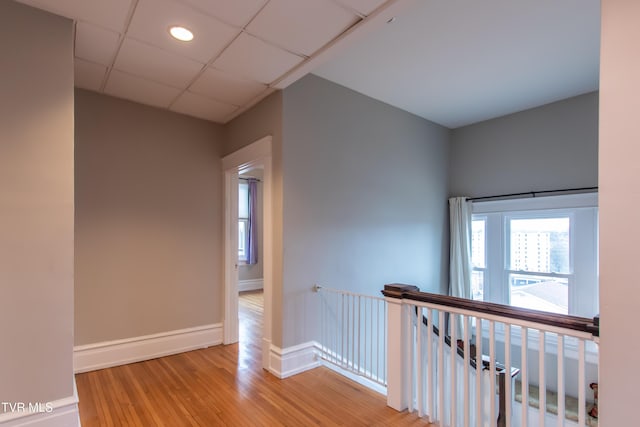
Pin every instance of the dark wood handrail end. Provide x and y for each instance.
(396, 290)
(595, 328)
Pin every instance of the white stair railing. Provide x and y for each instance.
(429, 374)
(353, 333)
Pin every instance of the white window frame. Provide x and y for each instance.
(242, 251)
(584, 268)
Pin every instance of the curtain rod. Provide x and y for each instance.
(249, 179)
(532, 193)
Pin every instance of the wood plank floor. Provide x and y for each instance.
(226, 385)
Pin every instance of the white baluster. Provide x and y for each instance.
(431, 392)
(350, 332)
(368, 345)
(419, 363)
(467, 356)
(360, 366)
(342, 331)
(378, 369)
(441, 345)
(542, 394)
(524, 375)
(453, 356)
(385, 341)
(492, 372)
(560, 380)
(323, 325)
(507, 375)
(410, 357)
(582, 405)
(479, 373)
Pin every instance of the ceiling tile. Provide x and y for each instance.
(156, 64)
(153, 18)
(254, 59)
(96, 44)
(365, 7)
(88, 75)
(110, 14)
(203, 107)
(302, 26)
(226, 87)
(235, 12)
(140, 90)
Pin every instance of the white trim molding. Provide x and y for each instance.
(244, 156)
(364, 381)
(250, 285)
(120, 352)
(255, 155)
(58, 413)
(290, 361)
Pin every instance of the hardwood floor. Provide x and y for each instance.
(226, 385)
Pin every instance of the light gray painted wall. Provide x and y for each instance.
(264, 119)
(546, 148)
(148, 220)
(36, 205)
(365, 188)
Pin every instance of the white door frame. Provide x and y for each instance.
(256, 155)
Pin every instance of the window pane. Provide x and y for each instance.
(540, 245)
(243, 201)
(242, 238)
(539, 292)
(478, 243)
(477, 285)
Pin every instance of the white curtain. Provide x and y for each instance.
(460, 251)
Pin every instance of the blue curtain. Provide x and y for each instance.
(252, 232)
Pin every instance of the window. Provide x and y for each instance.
(478, 260)
(537, 253)
(243, 220)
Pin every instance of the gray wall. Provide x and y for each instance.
(265, 118)
(365, 188)
(36, 205)
(546, 148)
(148, 220)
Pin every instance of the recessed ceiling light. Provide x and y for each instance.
(181, 33)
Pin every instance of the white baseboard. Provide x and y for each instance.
(250, 285)
(286, 362)
(353, 377)
(58, 413)
(120, 352)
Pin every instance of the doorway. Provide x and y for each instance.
(251, 157)
(250, 262)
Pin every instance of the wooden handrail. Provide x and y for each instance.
(576, 323)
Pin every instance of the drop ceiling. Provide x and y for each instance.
(242, 49)
(454, 62)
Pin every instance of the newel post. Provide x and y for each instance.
(398, 346)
